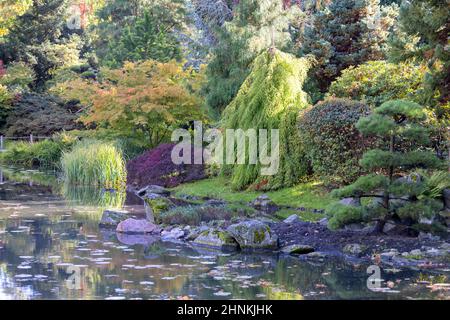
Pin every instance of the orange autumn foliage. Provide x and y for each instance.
(148, 97)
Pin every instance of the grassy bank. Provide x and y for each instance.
(308, 195)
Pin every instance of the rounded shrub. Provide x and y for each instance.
(331, 141)
(376, 82)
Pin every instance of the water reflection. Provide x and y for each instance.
(45, 237)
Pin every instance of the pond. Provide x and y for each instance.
(52, 248)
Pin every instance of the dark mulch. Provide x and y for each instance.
(155, 167)
(323, 239)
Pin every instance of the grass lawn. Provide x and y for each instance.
(309, 195)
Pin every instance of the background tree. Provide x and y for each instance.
(9, 11)
(346, 33)
(144, 100)
(121, 21)
(41, 39)
(256, 26)
(397, 125)
(145, 39)
(422, 34)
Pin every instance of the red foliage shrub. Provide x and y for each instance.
(156, 167)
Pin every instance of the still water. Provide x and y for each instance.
(51, 248)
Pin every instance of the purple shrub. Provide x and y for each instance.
(156, 167)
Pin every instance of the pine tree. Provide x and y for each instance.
(271, 98)
(257, 25)
(346, 33)
(404, 200)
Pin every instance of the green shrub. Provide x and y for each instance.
(94, 163)
(331, 141)
(376, 82)
(46, 153)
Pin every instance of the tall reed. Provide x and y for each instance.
(94, 163)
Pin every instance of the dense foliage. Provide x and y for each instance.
(41, 115)
(270, 98)
(402, 200)
(333, 144)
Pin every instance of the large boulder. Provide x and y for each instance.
(111, 218)
(254, 234)
(216, 239)
(135, 226)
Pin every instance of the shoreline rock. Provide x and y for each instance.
(135, 226)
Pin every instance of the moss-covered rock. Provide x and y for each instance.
(254, 235)
(217, 239)
(158, 205)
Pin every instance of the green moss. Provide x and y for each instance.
(158, 206)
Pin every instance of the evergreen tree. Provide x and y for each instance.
(346, 33)
(270, 98)
(403, 200)
(257, 24)
(123, 22)
(423, 34)
(143, 40)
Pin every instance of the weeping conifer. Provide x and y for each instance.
(270, 98)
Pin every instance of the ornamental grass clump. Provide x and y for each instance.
(94, 163)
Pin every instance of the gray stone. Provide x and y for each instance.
(253, 234)
(195, 232)
(111, 218)
(292, 219)
(263, 203)
(446, 196)
(354, 227)
(353, 249)
(134, 226)
(323, 222)
(152, 191)
(389, 226)
(354, 202)
(216, 239)
(297, 249)
(173, 234)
